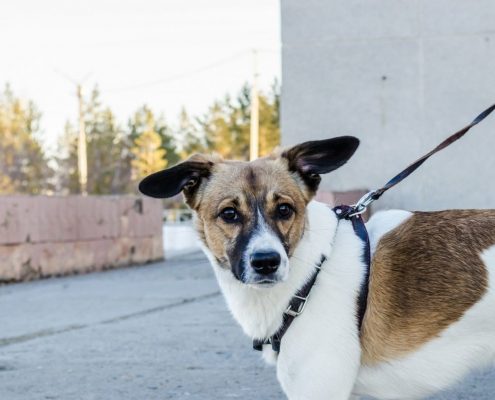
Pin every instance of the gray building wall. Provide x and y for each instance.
(401, 75)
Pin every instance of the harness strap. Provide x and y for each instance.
(295, 308)
(346, 212)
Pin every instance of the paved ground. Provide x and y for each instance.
(154, 332)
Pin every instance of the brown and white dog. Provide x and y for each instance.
(431, 305)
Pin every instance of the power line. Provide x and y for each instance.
(181, 75)
(70, 78)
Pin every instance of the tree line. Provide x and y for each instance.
(120, 154)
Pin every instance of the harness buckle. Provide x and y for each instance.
(363, 203)
(300, 308)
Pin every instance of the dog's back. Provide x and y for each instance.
(431, 292)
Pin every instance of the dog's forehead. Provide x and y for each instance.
(250, 179)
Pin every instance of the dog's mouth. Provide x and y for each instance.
(264, 282)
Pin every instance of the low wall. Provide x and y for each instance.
(42, 236)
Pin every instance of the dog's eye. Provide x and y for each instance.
(284, 210)
(229, 214)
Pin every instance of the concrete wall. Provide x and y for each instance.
(47, 236)
(401, 75)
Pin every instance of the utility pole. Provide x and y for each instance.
(254, 137)
(82, 156)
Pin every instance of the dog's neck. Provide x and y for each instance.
(260, 311)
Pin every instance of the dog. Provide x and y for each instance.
(430, 314)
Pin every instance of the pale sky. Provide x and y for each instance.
(165, 53)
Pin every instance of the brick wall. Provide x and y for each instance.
(42, 236)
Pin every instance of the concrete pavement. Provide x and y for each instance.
(160, 331)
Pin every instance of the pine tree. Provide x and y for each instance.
(226, 125)
(269, 116)
(67, 177)
(139, 123)
(191, 139)
(108, 152)
(117, 158)
(23, 165)
(217, 130)
(149, 156)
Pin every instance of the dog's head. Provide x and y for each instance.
(251, 215)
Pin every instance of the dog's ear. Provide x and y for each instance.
(311, 159)
(185, 177)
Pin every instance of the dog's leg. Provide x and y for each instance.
(325, 372)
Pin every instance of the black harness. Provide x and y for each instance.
(353, 214)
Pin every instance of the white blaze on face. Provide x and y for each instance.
(264, 239)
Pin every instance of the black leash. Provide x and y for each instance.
(353, 214)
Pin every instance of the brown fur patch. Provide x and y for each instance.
(426, 274)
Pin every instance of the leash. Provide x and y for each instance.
(374, 195)
(353, 213)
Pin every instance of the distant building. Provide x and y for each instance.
(401, 75)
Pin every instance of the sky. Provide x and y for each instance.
(163, 53)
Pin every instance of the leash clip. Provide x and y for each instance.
(363, 203)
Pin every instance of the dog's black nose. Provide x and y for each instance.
(265, 262)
